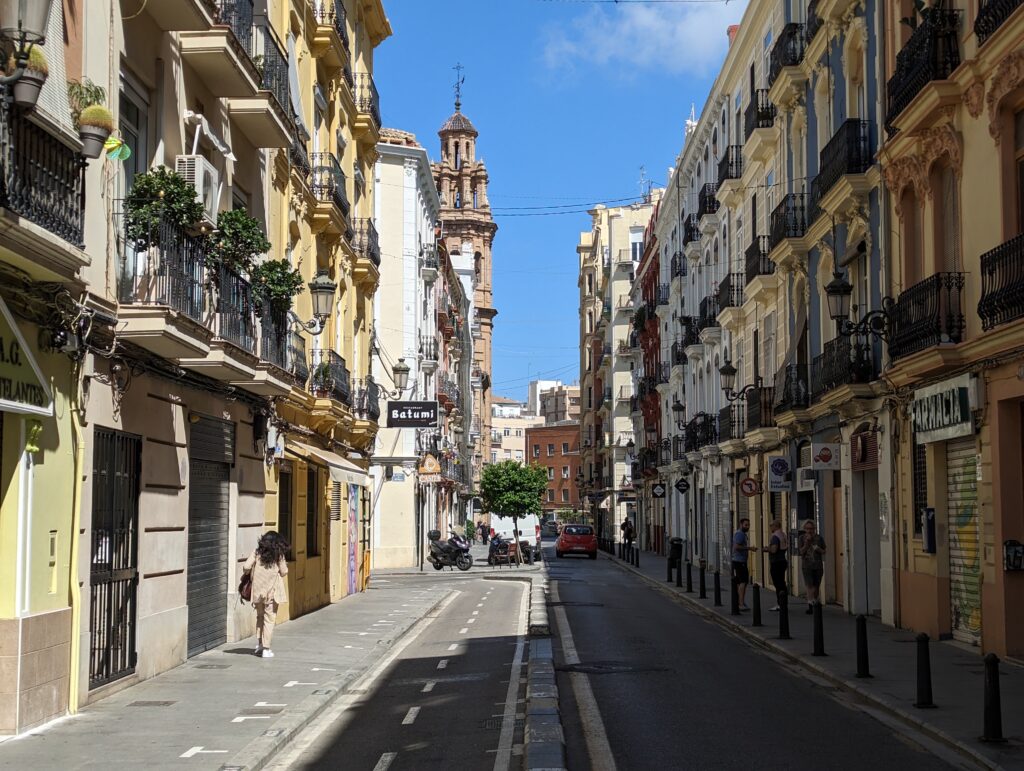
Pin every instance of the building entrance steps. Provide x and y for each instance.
(957, 671)
(227, 708)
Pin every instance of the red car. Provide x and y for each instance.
(576, 539)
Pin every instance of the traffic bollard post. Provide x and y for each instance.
(669, 579)
(756, 599)
(784, 616)
(718, 589)
(689, 577)
(734, 597)
(702, 583)
(863, 666)
(819, 631)
(679, 572)
(924, 674)
(993, 725)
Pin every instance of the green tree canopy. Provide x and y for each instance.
(513, 489)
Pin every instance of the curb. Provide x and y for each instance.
(931, 731)
(261, 750)
(545, 739)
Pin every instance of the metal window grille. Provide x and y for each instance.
(920, 482)
(312, 512)
(284, 508)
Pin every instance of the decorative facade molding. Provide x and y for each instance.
(903, 171)
(943, 140)
(1008, 76)
(974, 98)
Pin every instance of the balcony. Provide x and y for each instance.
(730, 291)
(330, 42)
(678, 447)
(814, 21)
(677, 354)
(691, 231)
(43, 181)
(298, 361)
(298, 157)
(366, 404)
(756, 259)
(275, 346)
(1002, 284)
(222, 55)
(265, 117)
(162, 292)
(623, 258)
(791, 389)
(330, 378)
(707, 206)
(844, 361)
(367, 100)
(662, 297)
(330, 213)
(847, 155)
(700, 432)
(786, 79)
(663, 372)
(367, 246)
(236, 310)
(708, 314)
(789, 220)
(931, 54)
(927, 314)
(625, 394)
(759, 408)
(665, 452)
(731, 422)
(730, 169)
(232, 357)
(991, 17)
(679, 265)
(624, 304)
(182, 15)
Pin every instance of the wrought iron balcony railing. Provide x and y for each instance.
(814, 21)
(299, 157)
(663, 372)
(789, 220)
(329, 181)
(788, 50)
(665, 452)
(678, 447)
(791, 388)
(298, 361)
(367, 98)
(691, 229)
(992, 15)
(678, 353)
(928, 313)
(332, 12)
(731, 421)
(707, 202)
(701, 431)
(842, 361)
(731, 164)
(756, 259)
(236, 310)
(678, 264)
(330, 378)
(690, 331)
(1002, 284)
(237, 15)
(274, 340)
(759, 408)
(730, 291)
(272, 64)
(43, 179)
(367, 400)
(708, 313)
(931, 53)
(760, 113)
(849, 151)
(164, 266)
(663, 292)
(366, 241)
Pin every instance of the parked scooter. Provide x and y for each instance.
(453, 552)
(500, 548)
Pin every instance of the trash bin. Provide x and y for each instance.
(675, 551)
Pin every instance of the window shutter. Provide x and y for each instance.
(53, 99)
(864, 451)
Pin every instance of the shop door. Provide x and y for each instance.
(964, 542)
(839, 548)
(113, 573)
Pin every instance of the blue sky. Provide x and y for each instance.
(570, 98)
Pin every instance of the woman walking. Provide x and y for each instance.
(268, 566)
(778, 552)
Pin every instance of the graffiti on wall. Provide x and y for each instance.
(353, 535)
(965, 550)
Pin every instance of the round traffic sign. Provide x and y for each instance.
(749, 487)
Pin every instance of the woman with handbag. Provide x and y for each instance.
(266, 569)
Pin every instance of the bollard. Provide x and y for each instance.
(924, 674)
(993, 707)
(689, 577)
(702, 583)
(819, 631)
(863, 668)
(669, 579)
(621, 547)
(756, 599)
(636, 557)
(734, 598)
(784, 616)
(718, 589)
(679, 572)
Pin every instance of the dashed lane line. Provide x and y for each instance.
(385, 761)
(410, 716)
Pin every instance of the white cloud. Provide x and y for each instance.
(673, 37)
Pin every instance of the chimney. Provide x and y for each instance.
(731, 31)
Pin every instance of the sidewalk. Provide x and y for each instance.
(957, 670)
(480, 567)
(226, 708)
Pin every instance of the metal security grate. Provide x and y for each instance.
(920, 481)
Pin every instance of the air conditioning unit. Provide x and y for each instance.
(805, 479)
(205, 178)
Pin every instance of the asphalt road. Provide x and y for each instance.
(674, 691)
(443, 702)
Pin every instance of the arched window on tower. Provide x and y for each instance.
(458, 156)
(458, 198)
(476, 203)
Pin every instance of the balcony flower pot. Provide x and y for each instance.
(95, 124)
(27, 87)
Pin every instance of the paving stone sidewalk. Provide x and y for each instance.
(226, 703)
(957, 670)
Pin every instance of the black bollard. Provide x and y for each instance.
(669, 579)
(756, 599)
(636, 558)
(993, 706)
(784, 616)
(863, 668)
(819, 631)
(718, 589)
(734, 597)
(702, 583)
(679, 572)
(621, 547)
(689, 577)
(924, 674)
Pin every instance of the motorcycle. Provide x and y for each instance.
(453, 552)
(504, 550)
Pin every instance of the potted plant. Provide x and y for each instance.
(28, 86)
(158, 197)
(95, 124)
(275, 283)
(238, 242)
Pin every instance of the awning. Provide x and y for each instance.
(341, 470)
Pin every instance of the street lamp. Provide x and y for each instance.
(728, 374)
(321, 290)
(22, 27)
(839, 293)
(400, 374)
(679, 413)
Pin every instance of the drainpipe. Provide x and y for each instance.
(74, 590)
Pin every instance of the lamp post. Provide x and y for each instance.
(23, 24)
(321, 290)
(878, 323)
(679, 413)
(728, 374)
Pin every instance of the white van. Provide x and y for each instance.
(529, 531)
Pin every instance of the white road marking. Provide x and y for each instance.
(410, 716)
(442, 664)
(464, 630)
(385, 761)
(476, 612)
(323, 669)
(503, 758)
(353, 647)
(453, 647)
(268, 704)
(471, 621)
(480, 604)
(193, 751)
(428, 686)
(293, 683)
(243, 718)
(598, 748)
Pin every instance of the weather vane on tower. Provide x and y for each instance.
(459, 80)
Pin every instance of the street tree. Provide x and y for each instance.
(511, 489)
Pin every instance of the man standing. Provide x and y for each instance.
(812, 562)
(741, 549)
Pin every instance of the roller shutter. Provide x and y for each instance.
(964, 540)
(212, 439)
(208, 508)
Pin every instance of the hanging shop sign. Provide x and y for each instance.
(429, 465)
(826, 456)
(682, 486)
(943, 411)
(23, 388)
(658, 490)
(412, 414)
(780, 477)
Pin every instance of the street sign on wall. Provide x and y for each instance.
(779, 474)
(682, 486)
(658, 490)
(412, 414)
(749, 487)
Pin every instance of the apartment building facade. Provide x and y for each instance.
(555, 446)
(510, 421)
(559, 403)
